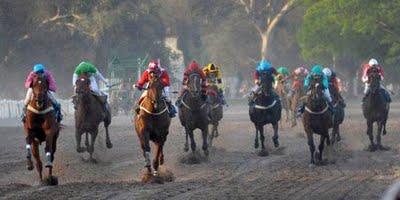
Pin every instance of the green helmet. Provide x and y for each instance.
(283, 71)
(85, 67)
(317, 70)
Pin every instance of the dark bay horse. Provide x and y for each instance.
(41, 126)
(267, 110)
(216, 111)
(317, 119)
(338, 116)
(152, 123)
(89, 114)
(193, 113)
(375, 109)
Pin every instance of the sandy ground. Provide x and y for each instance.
(233, 170)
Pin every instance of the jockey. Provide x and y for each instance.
(334, 80)
(317, 71)
(298, 77)
(192, 68)
(155, 68)
(40, 69)
(366, 70)
(283, 74)
(263, 66)
(94, 74)
(214, 77)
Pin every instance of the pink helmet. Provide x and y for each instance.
(301, 70)
(154, 66)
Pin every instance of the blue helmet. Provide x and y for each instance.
(264, 65)
(38, 68)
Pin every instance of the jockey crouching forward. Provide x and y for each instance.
(263, 67)
(94, 75)
(164, 77)
(40, 69)
(192, 68)
(316, 71)
(373, 63)
(214, 77)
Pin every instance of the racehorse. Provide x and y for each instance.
(267, 110)
(216, 111)
(152, 123)
(41, 126)
(193, 113)
(375, 109)
(317, 119)
(89, 113)
(338, 116)
(281, 90)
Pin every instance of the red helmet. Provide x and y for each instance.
(154, 66)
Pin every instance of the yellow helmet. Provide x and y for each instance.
(212, 68)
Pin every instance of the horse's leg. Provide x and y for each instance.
(28, 149)
(87, 144)
(379, 136)
(192, 142)
(186, 148)
(275, 138)
(264, 151)
(145, 144)
(215, 128)
(49, 149)
(108, 140)
(36, 155)
(372, 146)
(256, 144)
(93, 136)
(204, 134)
(156, 160)
(321, 145)
(78, 138)
(310, 141)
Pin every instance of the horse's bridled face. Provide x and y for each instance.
(194, 84)
(40, 88)
(155, 88)
(82, 85)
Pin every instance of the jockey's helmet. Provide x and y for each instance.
(38, 68)
(154, 67)
(327, 72)
(372, 62)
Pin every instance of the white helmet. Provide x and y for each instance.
(372, 62)
(327, 72)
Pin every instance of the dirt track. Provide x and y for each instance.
(233, 171)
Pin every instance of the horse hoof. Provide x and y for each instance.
(48, 165)
(206, 152)
(186, 149)
(263, 153)
(256, 145)
(311, 165)
(371, 148)
(109, 145)
(51, 181)
(276, 142)
(29, 165)
(338, 138)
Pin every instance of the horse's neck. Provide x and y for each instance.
(192, 100)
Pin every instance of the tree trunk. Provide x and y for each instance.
(264, 45)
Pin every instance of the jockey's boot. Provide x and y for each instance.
(178, 102)
(300, 110)
(57, 109)
(251, 98)
(331, 108)
(23, 115)
(75, 101)
(171, 108)
(386, 95)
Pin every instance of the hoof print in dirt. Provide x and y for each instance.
(278, 151)
(193, 158)
(50, 181)
(150, 178)
(263, 153)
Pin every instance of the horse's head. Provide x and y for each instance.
(374, 79)
(317, 88)
(40, 87)
(194, 84)
(82, 84)
(155, 89)
(266, 81)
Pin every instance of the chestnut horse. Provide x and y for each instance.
(152, 123)
(267, 110)
(281, 89)
(193, 113)
(89, 114)
(41, 126)
(296, 100)
(338, 116)
(317, 119)
(375, 109)
(216, 111)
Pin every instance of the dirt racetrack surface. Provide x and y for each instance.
(232, 171)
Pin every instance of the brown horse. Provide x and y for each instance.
(338, 116)
(193, 113)
(216, 111)
(295, 101)
(375, 109)
(89, 114)
(41, 126)
(152, 123)
(281, 89)
(317, 119)
(267, 110)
